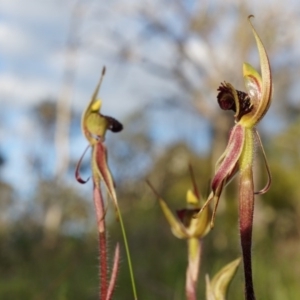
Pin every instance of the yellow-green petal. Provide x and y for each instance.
(259, 87)
(95, 126)
(96, 105)
(176, 226)
(191, 198)
(200, 224)
(246, 157)
(93, 108)
(216, 289)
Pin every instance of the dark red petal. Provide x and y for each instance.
(225, 98)
(113, 124)
(100, 160)
(234, 148)
(77, 175)
(186, 215)
(245, 104)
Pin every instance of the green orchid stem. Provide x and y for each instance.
(246, 208)
(127, 253)
(194, 258)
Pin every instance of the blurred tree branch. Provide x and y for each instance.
(63, 108)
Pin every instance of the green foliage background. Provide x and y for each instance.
(35, 264)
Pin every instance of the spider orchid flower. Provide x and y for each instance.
(238, 156)
(94, 126)
(184, 225)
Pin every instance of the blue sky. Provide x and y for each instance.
(33, 37)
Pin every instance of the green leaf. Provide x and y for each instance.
(217, 288)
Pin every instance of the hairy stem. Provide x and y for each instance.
(100, 215)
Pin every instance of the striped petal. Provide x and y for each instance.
(230, 157)
(101, 170)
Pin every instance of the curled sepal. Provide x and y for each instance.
(259, 87)
(268, 184)
(114, 274)
(217, 288)
(77, 170)
(101, 170)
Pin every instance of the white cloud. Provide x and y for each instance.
(14, 40)
(24, 91)
(34, 10)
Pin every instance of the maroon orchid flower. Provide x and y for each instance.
(238, 156)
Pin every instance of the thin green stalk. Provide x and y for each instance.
(127, 253)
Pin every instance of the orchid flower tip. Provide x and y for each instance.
(103, 70)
